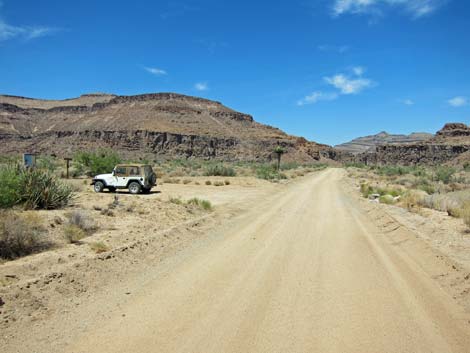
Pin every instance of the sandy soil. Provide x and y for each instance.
(304, 266)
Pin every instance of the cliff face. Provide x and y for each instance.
(368, 143)
(165, 125)
(448, 146)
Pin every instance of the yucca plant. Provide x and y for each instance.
(42, 190)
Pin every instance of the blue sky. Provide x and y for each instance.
(329, 70)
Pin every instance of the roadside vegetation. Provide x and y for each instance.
(442, 188)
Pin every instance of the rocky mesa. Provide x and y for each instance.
(157, 125)
(450, 145)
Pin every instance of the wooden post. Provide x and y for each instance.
(67, 161)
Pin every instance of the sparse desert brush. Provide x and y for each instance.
(387, 199)
(204, 204)
(465, 213)
(99, 247)
(227, 182)
(208, 182)
(73, 233)
(82, 220)
(413, 199)
(366, 190)
(444, 174)
(197, 183)
(175, 200)
(186, 181)
(20, 234)
(219, 170)
(219, 183)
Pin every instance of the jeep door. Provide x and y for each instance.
(121, 175)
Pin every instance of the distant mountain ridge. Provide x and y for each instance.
(368, 143)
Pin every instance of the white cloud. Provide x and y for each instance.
(344, 84)
(408, 102)
(417, 8)
(316, 97)
(358, 70)
(340, 49)
(458, 101)
(201, 86)
(8, 31)
(348, 85)
(155, 71)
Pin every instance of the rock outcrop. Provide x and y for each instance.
(447, 146)
(161, 125)
(368, 143)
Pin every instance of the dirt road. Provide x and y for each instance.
(305, 271)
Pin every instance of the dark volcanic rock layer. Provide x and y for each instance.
(164, 125)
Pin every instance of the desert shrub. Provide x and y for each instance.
(413, 199)
(40, 189)
(219, 183)
(227, 182)
(219, 170)
(208, 182)
(98, 162)
(82, 220)
(444, 174)
(176, 200)
(387, 199)
(186, 181)
(99, 247)
(204, 204)
(269, 172)
(20, 234)
(465, 213)
(35, 189)
(355, 165)
(73, 233)
(10, 186)
(46, 162)
(466, 166)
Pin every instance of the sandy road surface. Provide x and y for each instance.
(305, 271)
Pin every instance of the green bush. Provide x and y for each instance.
(98, 162)
(34, 189)
(444, 174)
(42, 190)
(10, 186)
(204, 204)
(269, 172)
(219, 170)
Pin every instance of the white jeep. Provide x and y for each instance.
(135, 177)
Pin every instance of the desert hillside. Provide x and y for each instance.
(368, 143)
(163, 124)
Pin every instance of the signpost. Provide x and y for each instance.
(67, 161)
(29, 160)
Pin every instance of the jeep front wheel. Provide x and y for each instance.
(99, 186)
(134, 187)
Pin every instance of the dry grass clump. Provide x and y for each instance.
(186, 181)
(20, 234)
(465, 214)
(219, 183)
(171, 181)
(204, 204)
(227, 182)
(99, 247)
(413, 199)
(176, 200)
(208, 182)
(80, 225)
